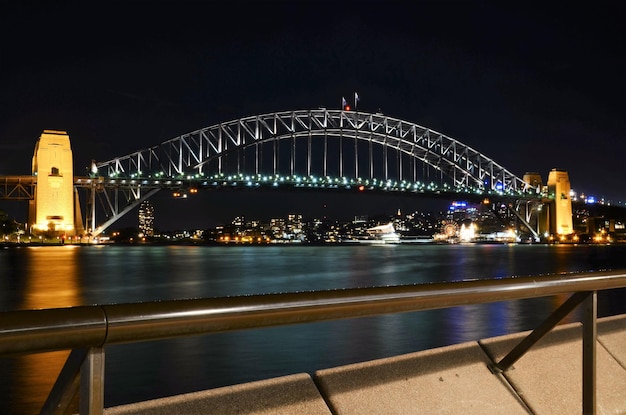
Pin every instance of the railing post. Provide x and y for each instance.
(548, 324)
(590, 314)
(91, 401)
(66, 385)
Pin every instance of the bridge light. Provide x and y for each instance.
(361, 188)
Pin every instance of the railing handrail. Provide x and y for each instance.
(33, 331)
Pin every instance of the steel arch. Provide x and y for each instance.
(188, 155)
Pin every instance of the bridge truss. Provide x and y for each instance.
(320, 143)
(320, 148)
(17, 187)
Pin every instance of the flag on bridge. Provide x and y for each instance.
(344, 104)
(356, 99)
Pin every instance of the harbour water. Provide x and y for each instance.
(63, 276)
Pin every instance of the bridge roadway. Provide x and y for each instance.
(21, 187)
(450, 380)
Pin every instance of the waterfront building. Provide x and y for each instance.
(146, 218)
(294, 227)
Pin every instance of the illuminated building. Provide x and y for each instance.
(146, 218)
(52, 208)
(561, 208)
(294, 226)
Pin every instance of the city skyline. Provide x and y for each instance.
(534, 91)
(247, 203)
(460, 221)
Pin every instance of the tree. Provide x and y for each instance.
(7, 226)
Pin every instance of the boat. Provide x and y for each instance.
(381, 234)
(385, 233)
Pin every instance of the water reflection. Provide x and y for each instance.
(52, 278)
(52, 281)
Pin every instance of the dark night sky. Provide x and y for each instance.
(534, 86)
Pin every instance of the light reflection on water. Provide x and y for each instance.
(51, 282)
(62, 276)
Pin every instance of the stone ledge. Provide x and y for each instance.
(448, 380)
(288, 395)
(612, 336)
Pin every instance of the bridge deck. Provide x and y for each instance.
(448, 380)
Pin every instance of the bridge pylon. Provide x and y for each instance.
(52, 208)
(561, 223)
(550, 215)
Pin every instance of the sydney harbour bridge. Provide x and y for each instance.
(304, 149)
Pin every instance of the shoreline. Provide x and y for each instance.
(7, 245)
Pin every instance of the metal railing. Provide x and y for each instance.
(88, 329)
